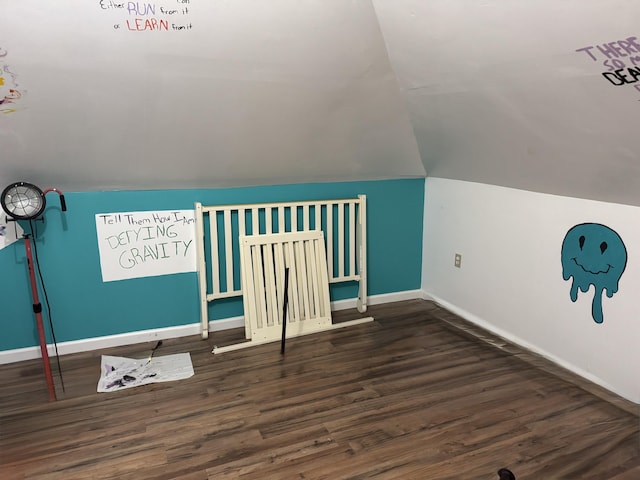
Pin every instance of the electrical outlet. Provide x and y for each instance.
(457, 260)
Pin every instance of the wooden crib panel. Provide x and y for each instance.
(264, 299)
(343, 222)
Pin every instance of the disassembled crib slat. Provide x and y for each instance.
(341, 241)
(281, 219)
(228, 245)
(361, 242)
(352, 240)
(215, 261)
(329, 230)
(201, 272)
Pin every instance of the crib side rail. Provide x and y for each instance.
(219, 227)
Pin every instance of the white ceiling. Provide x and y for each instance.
(257, 92)
(289, 91)
(498, 94)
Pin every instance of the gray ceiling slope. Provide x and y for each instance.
(254, 93)
(508, 93)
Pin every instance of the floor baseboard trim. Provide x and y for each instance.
(97, 343)
(483, 324)
(378, 299)
(118, 340)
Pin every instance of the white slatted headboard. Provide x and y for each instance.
(219, 227)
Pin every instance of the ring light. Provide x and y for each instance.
(23, 201)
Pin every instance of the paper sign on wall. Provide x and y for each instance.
(9, 231)
(146, 244)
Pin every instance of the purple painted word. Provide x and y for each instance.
(620, 57)
(615, 50)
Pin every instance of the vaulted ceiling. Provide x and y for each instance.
(512, 93)
(248, 92)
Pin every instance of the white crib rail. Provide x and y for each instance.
(343, 222)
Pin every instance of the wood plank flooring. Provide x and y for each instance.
(417, 394)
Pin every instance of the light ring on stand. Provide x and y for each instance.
(23, 201)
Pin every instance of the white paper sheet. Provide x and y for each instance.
(144, 244)
(119, 373)
(9, 231)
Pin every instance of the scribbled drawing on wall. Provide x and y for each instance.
(9, 92)
(593, 254)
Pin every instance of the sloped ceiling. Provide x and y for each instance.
(509, 93)
(254, 92)
(250, 92)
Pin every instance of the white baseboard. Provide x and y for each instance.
(378, 299)
(523, 343)
(89, 344)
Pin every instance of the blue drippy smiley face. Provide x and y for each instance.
(593, 254)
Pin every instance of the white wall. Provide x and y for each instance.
(511, 280)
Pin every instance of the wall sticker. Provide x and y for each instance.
(593, 254)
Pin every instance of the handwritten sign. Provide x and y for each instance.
(9, 231)
(620, 58)
(172, 16)
(146, 244)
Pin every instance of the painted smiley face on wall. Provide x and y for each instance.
(593, 254)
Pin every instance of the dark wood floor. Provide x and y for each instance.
(414, 395)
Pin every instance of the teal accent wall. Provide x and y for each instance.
(85, 307)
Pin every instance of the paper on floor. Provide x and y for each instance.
(119, 372)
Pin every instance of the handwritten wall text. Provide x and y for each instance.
(172, 15)
(620, 58)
